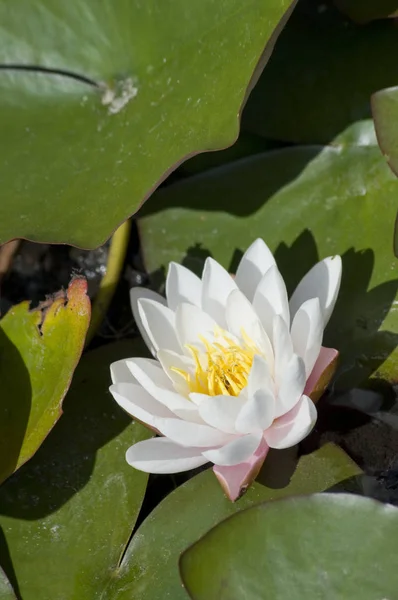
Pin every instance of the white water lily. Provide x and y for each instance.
(235, 365)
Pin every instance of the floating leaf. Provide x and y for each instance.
(149, 570)
(324, 546)
(68, 514)
(307, 203)
(39, 350)
(321, 75)
(99, 100)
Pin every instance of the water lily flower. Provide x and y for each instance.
(235, 366)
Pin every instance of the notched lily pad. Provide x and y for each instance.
(100, 100)
(39, 350)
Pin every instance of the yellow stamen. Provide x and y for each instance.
(223, 368)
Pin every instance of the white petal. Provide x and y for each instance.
(168, 360)
(138, 403)
(217, 285)
(241, 318)
(219, 411)
(155, 381)
(293, 427)
(191, 324)
(121, 373)
(291, 385)
(236, 451)
(260, 376)
(258, 412)
(159, 324)
(271, 299)
(182, 286)
(323, 282)
(160, 455)
(283, 347)
(136, 293)
(307, 333)
(254, 263)
(192, 434)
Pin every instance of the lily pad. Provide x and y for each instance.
(307, 203)
(149, 570)
(67, 515)
(321, 75)
(100, 100)
(39, 350)
(324, 546)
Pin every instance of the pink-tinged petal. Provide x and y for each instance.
(235, 480)
(235, 452)
(271, 299)
(182, 286)
(160, 455)
(323, 282)
(136, 293)
(159, 323)
(293, 427)
(217, 284)
(254, 263)
(322, 373)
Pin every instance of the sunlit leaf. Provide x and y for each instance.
(324, 546)
(39, 350)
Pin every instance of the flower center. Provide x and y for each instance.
(223, 368)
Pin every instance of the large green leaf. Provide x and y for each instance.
(101, 98)
(307, 203)
(321, 75)
(149, 570)
(68, 514)
(325, 546)
(39, 350)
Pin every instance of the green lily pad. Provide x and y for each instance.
(149, 570)
(67, 515)
(324, 546)
(39, 351)
(363, 11)
(100, 100)
(321, 75)
(306, 203)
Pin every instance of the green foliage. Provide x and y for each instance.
(39, 350)
(121, 92)
(324, 546)
(68, 514)
(81, 534)
(307, 203)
